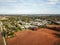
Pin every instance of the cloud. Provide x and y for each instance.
(53, 2)
(7, 0)
(28, 6)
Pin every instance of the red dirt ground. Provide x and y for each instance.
(53, 25)
(42, 36)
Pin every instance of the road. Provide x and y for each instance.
(1, 39)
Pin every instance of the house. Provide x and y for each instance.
(57, 22)
(21, 22)
(22, 27)
(27, 25)
(45, 22)
(38, 23)
(37, 20)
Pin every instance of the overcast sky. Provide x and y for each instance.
(29, 6)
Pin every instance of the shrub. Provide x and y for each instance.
(58, 43)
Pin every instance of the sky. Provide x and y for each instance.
(29, 6)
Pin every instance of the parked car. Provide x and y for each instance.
(34, 28)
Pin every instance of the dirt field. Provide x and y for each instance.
(42, 36)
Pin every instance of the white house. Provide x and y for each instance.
(37, 20)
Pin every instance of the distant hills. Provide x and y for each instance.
(30, 14)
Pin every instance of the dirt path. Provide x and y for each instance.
(1, 40)
(40, 37)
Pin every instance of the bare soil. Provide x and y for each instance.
(42, 36)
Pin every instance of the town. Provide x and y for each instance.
(13, 24)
